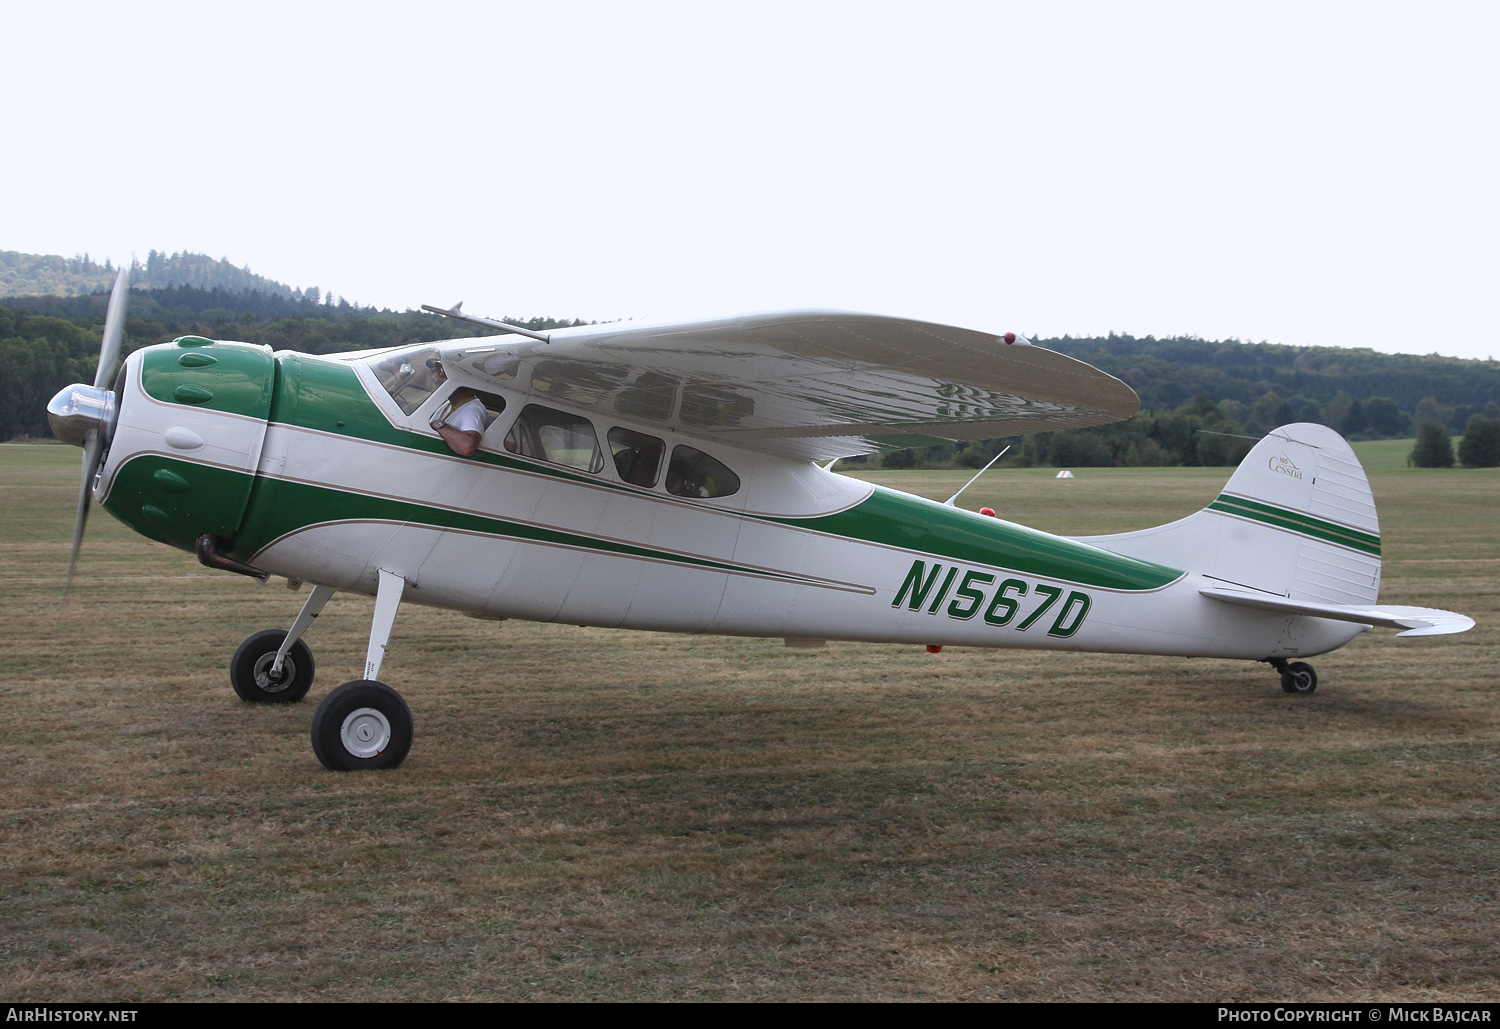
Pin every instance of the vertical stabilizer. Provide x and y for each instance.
(1296, 519)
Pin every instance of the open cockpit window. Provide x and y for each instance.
(556, 437)
(407, 376)
(493, 404)
(693, 473)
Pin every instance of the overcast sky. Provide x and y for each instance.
(1299, 173)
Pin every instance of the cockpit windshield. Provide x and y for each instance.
(407, 376)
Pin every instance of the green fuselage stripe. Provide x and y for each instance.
(910, 523)
(1281, 518)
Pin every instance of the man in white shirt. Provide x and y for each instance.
(460, 421)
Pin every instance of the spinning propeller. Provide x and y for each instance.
(85, 415)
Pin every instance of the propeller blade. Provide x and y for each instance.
(114, 331)
(93, 443)
(93, 450)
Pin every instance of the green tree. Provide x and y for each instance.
(1434, 448)
(1080, 450)
(1480, 447)
(1355, 420)
(1429, 410)
(1385, 417)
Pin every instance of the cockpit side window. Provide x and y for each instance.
(407, 377)
(637, 456)
(693, 473)
(556, 437)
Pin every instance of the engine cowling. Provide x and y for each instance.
(191, 419)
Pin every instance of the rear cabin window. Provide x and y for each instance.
(637, 456)
(556, 437)
(693, 473)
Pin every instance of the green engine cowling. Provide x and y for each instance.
(183, 455)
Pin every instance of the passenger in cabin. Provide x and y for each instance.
(460, 421)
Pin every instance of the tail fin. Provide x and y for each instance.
(1296, 519)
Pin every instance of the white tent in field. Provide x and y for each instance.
(1065, 474)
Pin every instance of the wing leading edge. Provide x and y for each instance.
(807, 384)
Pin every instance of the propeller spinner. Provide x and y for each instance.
(85, 415)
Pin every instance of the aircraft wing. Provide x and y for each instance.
(806, 384)
(1417, 621)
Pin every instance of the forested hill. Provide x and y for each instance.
(1314, 384)
(177, 305)
(49, 275)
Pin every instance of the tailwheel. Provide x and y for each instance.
(1299, 677)
(363, 724)
(255, 678)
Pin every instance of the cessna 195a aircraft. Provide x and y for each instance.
(664, 477)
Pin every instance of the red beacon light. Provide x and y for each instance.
(1010, 337)
(934, 648)
(987, 511)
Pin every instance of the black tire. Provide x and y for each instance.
(250, 668)
(361, 725)
(1299, 677)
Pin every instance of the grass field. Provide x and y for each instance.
(1384, 455)
(630, 816)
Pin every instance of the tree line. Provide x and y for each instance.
(1196, 433)
(50, 275)
(1330, 385)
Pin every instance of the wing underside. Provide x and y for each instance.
(806, 384)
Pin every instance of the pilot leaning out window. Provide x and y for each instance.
(460, 421)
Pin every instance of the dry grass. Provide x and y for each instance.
(605, 815)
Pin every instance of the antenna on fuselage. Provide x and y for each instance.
(455, 313)
(950, 500)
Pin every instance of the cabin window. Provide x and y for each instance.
(693, 473)
(556, 437)
(637, 456)
(407, 377)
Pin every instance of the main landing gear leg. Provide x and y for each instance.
(1296, 677)
(276, 667)
(365, 724)
(310, 610)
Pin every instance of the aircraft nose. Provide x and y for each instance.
(79, 410)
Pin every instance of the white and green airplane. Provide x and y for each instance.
(666, 478)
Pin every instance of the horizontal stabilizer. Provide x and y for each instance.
(1416, 621)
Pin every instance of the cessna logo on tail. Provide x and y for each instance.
(1282, 465)
(921, 588)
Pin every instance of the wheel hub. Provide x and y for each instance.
(365, 733)
(270, 681)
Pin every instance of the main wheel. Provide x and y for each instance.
(250, 670)
(362, 724)
(1299, 677)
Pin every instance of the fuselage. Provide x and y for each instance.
(314, 469)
